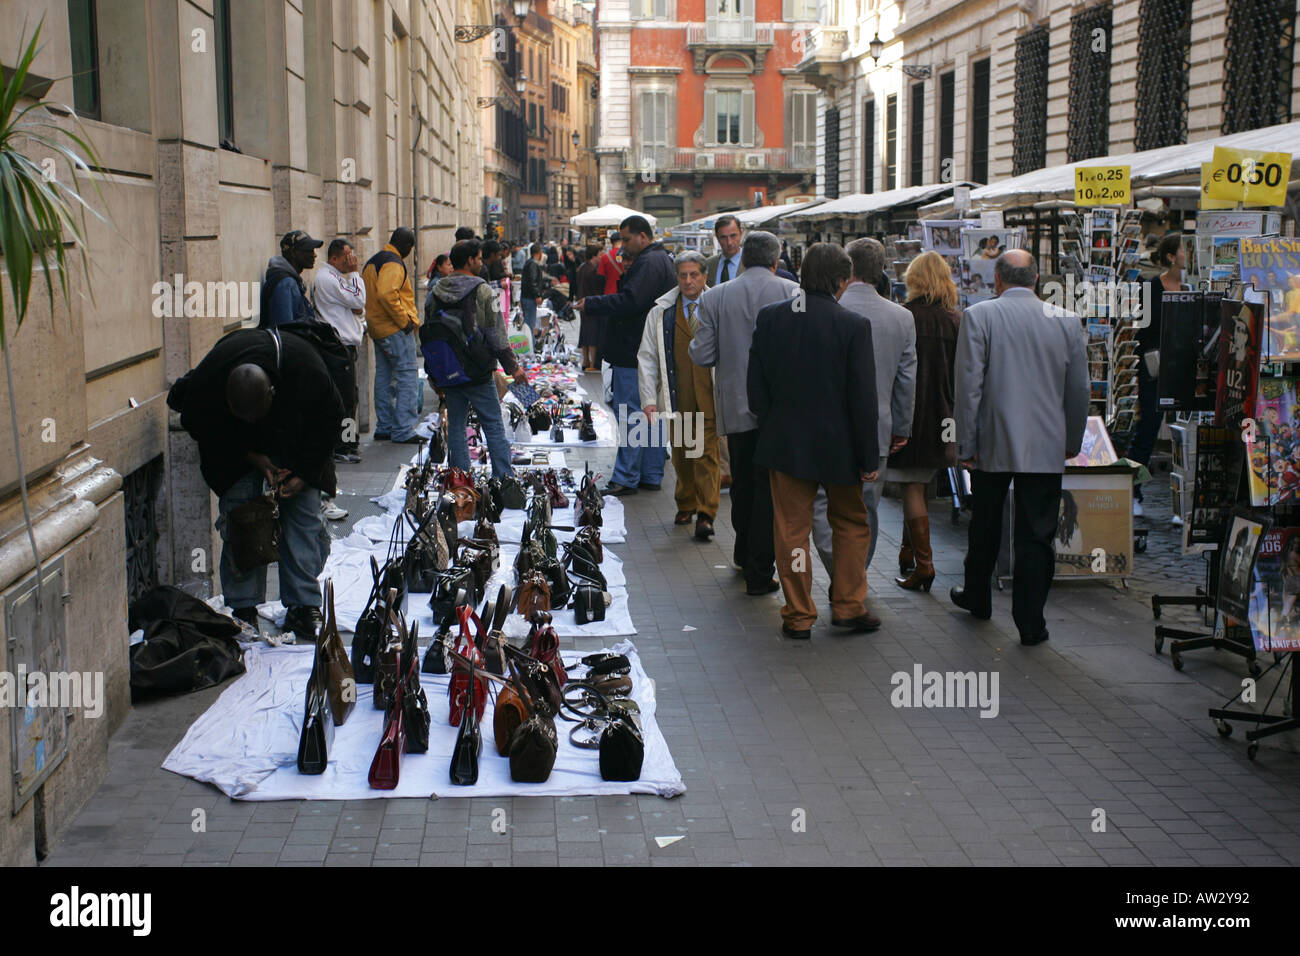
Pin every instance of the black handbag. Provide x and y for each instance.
(512, 494)
(489, 508)
(532, 750)
(317, 735)
(452, 588)
(415, 706)
(588, 604)
(388, 657)
(446, 514)
(253, 533)
(539, 418)
(469, 739)
(586, 428)
(588, 503)
(622, 750)
(561, 588)
(583, 564)
(482, 558)
(589, 537)
(437, 657)
(557, 433)
(493, 644)
(365, 636)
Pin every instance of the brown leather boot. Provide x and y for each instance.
(923, 575)
(906, 560)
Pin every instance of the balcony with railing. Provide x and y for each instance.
(719, 35)
(823, 52)
(732, 160)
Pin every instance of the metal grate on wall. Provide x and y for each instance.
(1258, 64)
(869, 146)
(1164, 59)
(1029, 151)
(140, 492)
(831, 168)
(891, 141)
(979, 122)
(916, 145)
(1089, 117)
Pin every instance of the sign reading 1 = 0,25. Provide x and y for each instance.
(1249, 176)
(1101, 185)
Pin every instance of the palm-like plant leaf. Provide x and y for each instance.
(38, 213)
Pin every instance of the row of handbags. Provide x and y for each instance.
(331, 693)
(406, 710)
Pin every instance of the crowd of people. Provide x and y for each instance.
(803, 396)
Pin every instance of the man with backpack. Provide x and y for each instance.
(284, 294)
(392, 320)
(463, 339)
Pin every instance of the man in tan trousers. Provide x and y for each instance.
(673, 386)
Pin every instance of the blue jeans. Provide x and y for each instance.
(396, 386)
(640, 461)
(487, 405)
(530, 312)
(1149, 421)
(304, 546)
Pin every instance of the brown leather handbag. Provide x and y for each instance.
(510, 712)
(253, 533)
(466, 502)
(338, 669)
(534, 594)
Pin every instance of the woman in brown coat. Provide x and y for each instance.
(932, 300)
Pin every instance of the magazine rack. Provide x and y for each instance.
(1273, 724)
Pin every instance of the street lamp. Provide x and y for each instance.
(522, 7)
(877, 47)
(521, 83)
(576, 139)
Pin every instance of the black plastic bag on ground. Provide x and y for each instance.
(187, 646)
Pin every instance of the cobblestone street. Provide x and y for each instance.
(768, 733)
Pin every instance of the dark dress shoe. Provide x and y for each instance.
(381, 436)
(646, 486)
(703, 528)
(958, 596)
(1030, 641)
(796, 635)
(757, 590)
(617, 490)
(684, 517)
(864, 622)
(413, 440)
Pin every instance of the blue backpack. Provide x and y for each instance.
(454, 348)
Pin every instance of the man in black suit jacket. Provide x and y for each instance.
(812, 384)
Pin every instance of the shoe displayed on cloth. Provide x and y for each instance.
(330, 511)
(646, 486)
(1137, 508)
(796, 634)
(864, 622)
(303, 622)
(246, 614)
(703, 528)
(1031, 640)
(978, 611)
(380, 436)
(756, 590)
(617, 490)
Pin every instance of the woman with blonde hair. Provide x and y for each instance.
(932, 300)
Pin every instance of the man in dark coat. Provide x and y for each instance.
(640, 460)
(262, 407)
(812, 385)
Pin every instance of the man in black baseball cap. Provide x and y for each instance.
(284, 294)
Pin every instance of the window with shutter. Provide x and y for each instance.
(891, 141)
(710, 117)
(747, 117)
(869, 145)
(661, 9)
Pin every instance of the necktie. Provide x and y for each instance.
(690, 316)
(726, 270)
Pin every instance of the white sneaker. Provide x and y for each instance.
(1137, 508)
(1177, 521)
(330, 511)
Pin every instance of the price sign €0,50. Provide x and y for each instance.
(1101, 185)
(1249, 176)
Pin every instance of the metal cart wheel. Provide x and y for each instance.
(1223, 727)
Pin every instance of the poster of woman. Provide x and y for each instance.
(1236, 570)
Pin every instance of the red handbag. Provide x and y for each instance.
(386, 768)
(458, 689)
(544, 646)
(454, 477)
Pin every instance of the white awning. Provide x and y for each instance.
(1180, 162)
(610, 215)
(749, 218)
(858, 205)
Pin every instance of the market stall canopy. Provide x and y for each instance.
(749, 218)
(610, 215)
(859, 205)
(1147, 168)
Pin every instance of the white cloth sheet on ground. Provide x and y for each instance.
(246, 743)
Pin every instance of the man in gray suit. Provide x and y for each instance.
(727, 314)
(1021, 403)
(728, 263)
(893, 340)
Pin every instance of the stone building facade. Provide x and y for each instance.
(222, 124)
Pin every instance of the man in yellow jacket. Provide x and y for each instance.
(392, 321)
